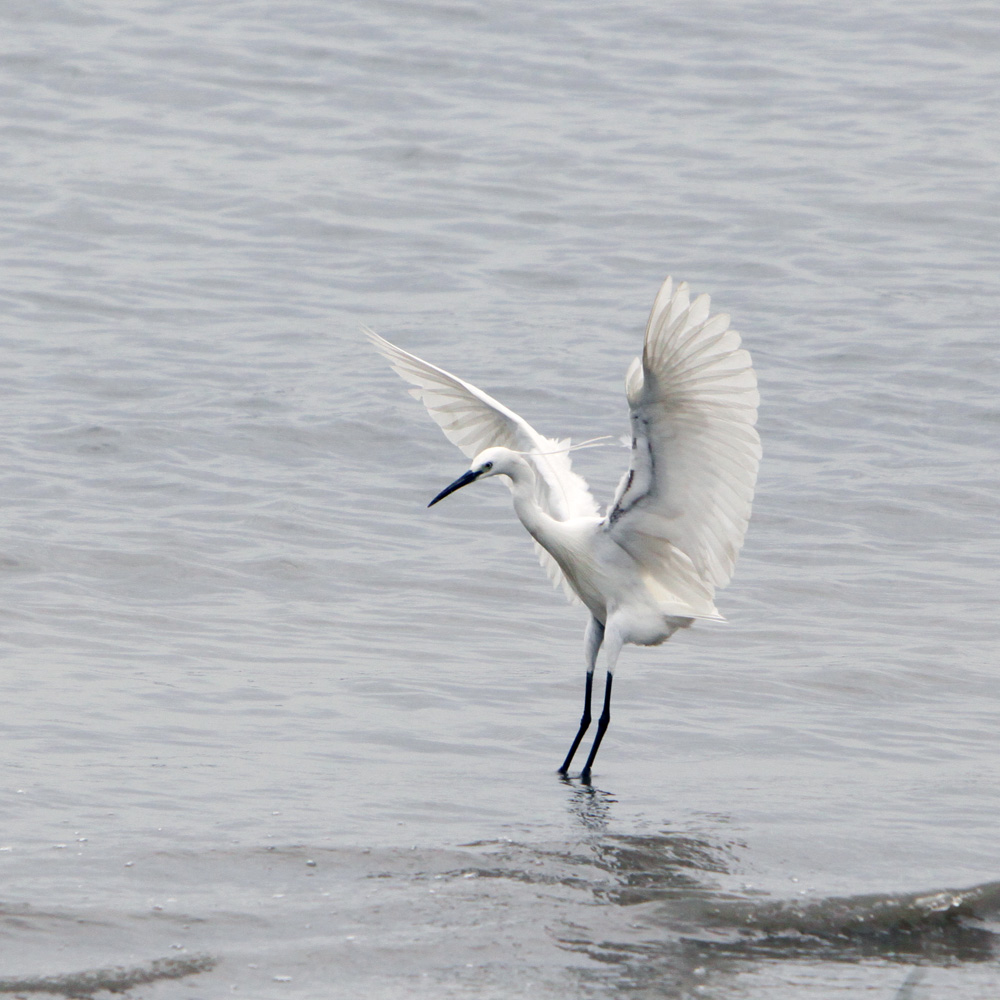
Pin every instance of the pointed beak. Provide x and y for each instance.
(463, 480)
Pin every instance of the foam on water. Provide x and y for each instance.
(615, 912)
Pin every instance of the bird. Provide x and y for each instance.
(651, 563)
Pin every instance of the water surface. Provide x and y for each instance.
(270, 724)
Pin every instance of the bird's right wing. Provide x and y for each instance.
(693, 400)
(473, 420)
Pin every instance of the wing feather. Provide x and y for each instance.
(473, 420)
(693, 401)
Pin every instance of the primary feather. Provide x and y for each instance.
(693, 404)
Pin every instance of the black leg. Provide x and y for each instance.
(602, 726)
(584, 723)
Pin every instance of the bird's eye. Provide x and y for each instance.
(487, 466)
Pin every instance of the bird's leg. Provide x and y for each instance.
(592, 641)
(584, 723)
(614, 648)
(602, 726)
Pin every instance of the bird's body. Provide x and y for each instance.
(599, 572)
(651, 563)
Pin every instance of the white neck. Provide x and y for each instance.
(522, 477)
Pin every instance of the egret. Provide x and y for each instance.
(651, 563)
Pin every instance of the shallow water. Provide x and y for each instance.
(269, 724)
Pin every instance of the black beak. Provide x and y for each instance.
(463, 480)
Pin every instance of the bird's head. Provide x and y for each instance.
(491, 462)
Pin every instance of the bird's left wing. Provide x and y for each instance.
(474, 420)
(693, 401)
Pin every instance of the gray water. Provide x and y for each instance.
(272, 729)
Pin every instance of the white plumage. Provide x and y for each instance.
(671, 535)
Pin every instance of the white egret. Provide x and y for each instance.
(651, 564)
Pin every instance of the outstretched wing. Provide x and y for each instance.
(693, 400)
(474, 420)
